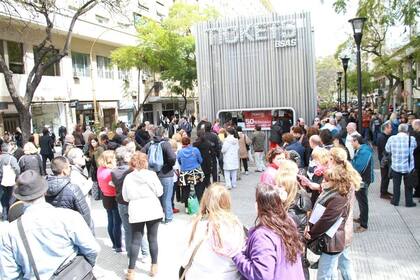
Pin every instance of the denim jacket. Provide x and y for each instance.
(55, 236)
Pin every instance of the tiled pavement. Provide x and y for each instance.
(390, 249)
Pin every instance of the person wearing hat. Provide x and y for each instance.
(54, 235)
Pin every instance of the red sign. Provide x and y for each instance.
(262, 118)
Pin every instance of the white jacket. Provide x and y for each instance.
(230, 150)
(142, 189)
(207, 264)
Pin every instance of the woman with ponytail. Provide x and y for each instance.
(337, 196)
(273, 249)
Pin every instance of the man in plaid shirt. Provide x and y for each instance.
(401, 148)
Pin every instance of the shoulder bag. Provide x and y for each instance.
(9, 176)
(76, 269)
(183, 270)
(412, 176)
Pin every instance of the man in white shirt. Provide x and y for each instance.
(351, 131)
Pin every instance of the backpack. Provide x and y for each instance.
(155, 156)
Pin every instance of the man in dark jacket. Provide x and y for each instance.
(416, 133)
(166, 174)
(46, 143)
(363, 163)
(62, 193)
(381, 140)
(212, 138)
(142, 136)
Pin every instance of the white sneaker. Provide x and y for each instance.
(246, 172)
(229, 188)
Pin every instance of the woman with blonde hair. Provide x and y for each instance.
(318, 164)
(337, 196)
(297, 203)
(31, 160)
(106, 162)
(142, 189)
(216, 236)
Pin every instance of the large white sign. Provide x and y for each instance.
(283, 33)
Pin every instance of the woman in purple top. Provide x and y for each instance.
(273, 249)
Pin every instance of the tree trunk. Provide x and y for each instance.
(184, 96)
(25, 118)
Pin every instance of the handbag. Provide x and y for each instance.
(9, 176)
(318, 245)
(77, 269)
(183, 270)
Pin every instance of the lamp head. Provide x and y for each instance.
(357, 24)
(345, 62)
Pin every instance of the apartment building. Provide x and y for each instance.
(67, 90)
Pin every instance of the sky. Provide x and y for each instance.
(330, 28)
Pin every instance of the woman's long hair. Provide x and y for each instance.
(272, 214)
(216, 208)
(342, 176)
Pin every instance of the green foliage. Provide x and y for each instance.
(404, 11)
(167, 47)
(326, 76)
(367, 84)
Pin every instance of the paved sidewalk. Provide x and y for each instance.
(390, 249)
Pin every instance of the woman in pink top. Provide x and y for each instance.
(106, 162)
(274, 156)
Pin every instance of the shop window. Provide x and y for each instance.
(105, 70)
(53, 70)
(12, 53)
(81, 64)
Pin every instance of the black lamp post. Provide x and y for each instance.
(345, 62)
(357, 24)
(339, 77)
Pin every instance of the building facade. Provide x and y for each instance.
(66, 93)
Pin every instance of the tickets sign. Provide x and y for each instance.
(262, 118)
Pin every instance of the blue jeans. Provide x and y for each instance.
(166, 198)
(345, 266)
(327, 267)
(123, 210)
(114, 227)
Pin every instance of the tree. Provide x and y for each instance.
(381, 16)
(168, 47)
(47, 52)
(326, 77)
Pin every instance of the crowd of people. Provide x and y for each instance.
(310, 177)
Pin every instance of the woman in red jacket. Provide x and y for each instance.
(106, 163)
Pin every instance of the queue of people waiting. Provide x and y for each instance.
(306, 167)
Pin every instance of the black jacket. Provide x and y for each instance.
(216, 146)
(169, 157)
(205, 148)
(417, 150)
(298, 211)
(381, 142)
(61, 193)
(142, 137)
(118, 175)
(31, 162)
(46, 143)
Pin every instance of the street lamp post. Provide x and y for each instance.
(345, 62)
(339, 77)
(357, 24)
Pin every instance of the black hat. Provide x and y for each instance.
(30, 185)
